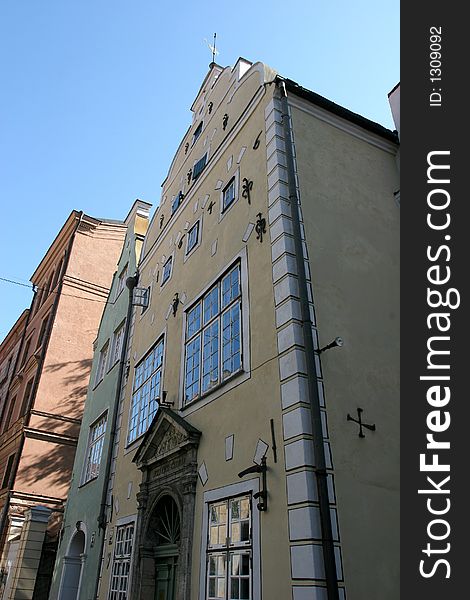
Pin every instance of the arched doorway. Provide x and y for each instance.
(165, 532)
(72, 570)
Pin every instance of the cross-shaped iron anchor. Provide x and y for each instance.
(360, 423)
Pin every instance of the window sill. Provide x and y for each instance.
(214, 389)
(85, 483)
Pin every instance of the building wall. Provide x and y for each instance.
(84, 498)
(59, 362)
(243, 410)
(347, 181)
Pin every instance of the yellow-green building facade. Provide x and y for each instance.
(237, 472)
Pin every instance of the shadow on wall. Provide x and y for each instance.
(46, 467)
(74, 377)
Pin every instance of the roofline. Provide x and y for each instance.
(340, 111)
(71, 219)
(16, 326)
(393, 89)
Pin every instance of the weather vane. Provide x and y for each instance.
(212, 47)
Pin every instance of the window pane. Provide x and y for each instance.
(230, 286)
(210, 356)
(193, 237)
(231, 355)
(167, 270)
(194, 320)
(192, 368)
(229, 194)
(211, 304)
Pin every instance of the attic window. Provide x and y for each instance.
(197, 133)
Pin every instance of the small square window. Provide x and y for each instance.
(228, 194)
(167, 270)
(193, 237)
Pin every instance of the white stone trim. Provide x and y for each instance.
(229, 491)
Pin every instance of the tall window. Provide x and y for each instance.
(197, 133)
(42, 331)
(26, 352)
(7, 472)
(102, 363)
(26, 397)
(176, 201)
(118, 340)
(229, 549)
(199, 167)
(146, 392)
(95, 449)
(167, 270)
(121, 282)
(213, 337)
(121, 562)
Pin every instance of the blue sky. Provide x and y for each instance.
(95, 97)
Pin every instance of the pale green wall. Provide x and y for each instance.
(352, 230)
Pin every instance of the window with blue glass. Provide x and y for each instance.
(167, 270)
(193, 237)
(197, 133)
(145, 392)
(213, 337)
(176, 201)
(199, 167)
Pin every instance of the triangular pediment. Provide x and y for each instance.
(167, 434)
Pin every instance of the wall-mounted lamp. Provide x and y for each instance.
(336, 342)
(263, 493)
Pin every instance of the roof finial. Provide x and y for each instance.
(212, 48)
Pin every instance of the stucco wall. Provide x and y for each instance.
(352, 230)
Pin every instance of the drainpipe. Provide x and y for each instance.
(131, 283)
(38, 374)
(319, 450)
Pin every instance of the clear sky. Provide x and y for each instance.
(95, 96)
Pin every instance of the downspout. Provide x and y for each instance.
(319, 450)
(37, 377)
(131, 282)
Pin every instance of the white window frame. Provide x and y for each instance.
(165, 281)
(140, 387)
(121, 281)
(101, 369)
(188, 250)
(87, 474)
(119, 331)
(244, 373)
(124, 522)
(236, 179)
(251, 486)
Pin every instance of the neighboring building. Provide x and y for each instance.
(239, 472)
(81, 534)
(46, 396)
